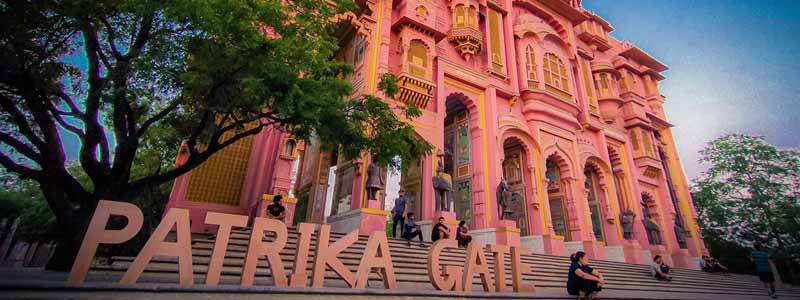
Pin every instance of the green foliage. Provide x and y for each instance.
(749, 194)
(24, 200)
(134, 79)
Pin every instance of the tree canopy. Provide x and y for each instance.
(119, 73)
(750, 193)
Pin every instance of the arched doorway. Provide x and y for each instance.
(593, 197)
(514, 160)
(457, 159)
(557, 198)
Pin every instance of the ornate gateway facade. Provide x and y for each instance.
(531, 93)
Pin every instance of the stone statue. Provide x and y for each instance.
(516, 207)
(653, 232)
(503, 199)
(374, 181)
(627, 219)
(680, 235)
(442, 185)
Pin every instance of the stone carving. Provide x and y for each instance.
(374, 181)
(626, 218)
(442, 185)
(680, 234)
(653, 231)
(503, 199)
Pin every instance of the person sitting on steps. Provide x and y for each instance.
(276, 209)
(462, 234)
(440, 231)
(711, 265)
(583, 280)
(411, 230)
(659, 269)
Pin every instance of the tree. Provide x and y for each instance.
(208, 72)
(750, 194)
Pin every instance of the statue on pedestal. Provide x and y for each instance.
(626, 219)
(503, 199)
(442, 185)
(653, 232)
(374, 181)
(680, 234)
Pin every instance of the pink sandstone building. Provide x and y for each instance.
(533, 91)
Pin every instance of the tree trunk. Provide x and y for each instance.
(73, 209)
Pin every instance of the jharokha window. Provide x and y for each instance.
(417, 59)
(461, 15)
(530, 66)
(555, 73)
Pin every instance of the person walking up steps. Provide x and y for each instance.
(761, 259)
(583, 280)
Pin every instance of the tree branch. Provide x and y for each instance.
(23, 171)
(72, 105)
(112, 36)
(193, 161)
(157, 117)
(63, 123)
(20, 147)
(19, 119)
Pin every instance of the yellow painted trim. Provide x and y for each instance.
(269, 197)
(544, 201)
(374, 211)
(631, 192)
(373, 73)
(614, 202)
(554, 236)
(683, 197)
(508, 229)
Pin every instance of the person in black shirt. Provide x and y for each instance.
(440, 231)
(276, 209)
(412, 230)
(462, 234)
(582, 279)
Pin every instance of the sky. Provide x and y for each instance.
(734, 66)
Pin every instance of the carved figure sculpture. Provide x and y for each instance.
(653, 232)
(442, 185)
(503, 199)
(680, 235)
(627, 219)
(374, 181)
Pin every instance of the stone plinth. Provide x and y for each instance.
(533, 242)
(633, 252)
(366, 220)
(615, 253)
(554, 245)
(507, 233)
(681, 258)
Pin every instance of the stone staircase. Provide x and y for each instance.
(624, 281)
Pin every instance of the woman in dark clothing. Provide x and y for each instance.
(583, 280)
(462, 234)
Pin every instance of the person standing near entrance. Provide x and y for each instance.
(399, 213)
(761, 259)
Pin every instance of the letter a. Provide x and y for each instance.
(272, 250)
(377, 256)
(97, 233)
(476, 262)
(326, 255)
(176, 217)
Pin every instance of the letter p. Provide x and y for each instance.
(97, 233)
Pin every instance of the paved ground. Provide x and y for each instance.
(28, 283)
